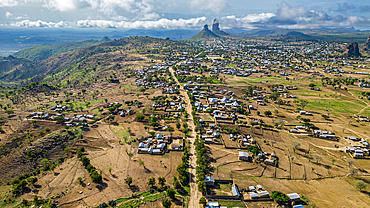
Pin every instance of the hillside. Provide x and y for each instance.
(221, 33)
(38, 53)
(76, 64)
(204, 35)
(9, 62)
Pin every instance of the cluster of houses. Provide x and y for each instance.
(158, 145)
(359, 148)
(255, 192)
(269, 159)
(60, 108)
(249, 194)
(74, 121)
(363, 118)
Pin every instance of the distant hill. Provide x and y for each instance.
(38, 53)
(9, 62)
(205, 34)
(221, 33)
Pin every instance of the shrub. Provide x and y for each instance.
(279, 197)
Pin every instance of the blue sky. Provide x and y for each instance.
(185, 14)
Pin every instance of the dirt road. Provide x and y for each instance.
(195, 195)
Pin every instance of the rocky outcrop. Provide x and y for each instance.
(366, 46)
(352, 49)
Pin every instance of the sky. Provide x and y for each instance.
(185, 14)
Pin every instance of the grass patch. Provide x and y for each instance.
(85, 105)
(231, 203)
(155, 197)
(122, 133)
(336, 105)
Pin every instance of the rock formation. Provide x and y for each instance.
(352, 49)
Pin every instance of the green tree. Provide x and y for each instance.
(152, 133)
(176, 183)
(9, 112)
(141, 162)
(279, 197)
(32, 180)
(128, 181)
(274, 96)
(36, 200)
(303, 103)
(360, 184)
(203, 201)
(170, 193)
(161, 181)
(151, 182)
(79, 180)
(166, 203)
(267, 113)
(96, 177)
(202, 187)
(312, 85)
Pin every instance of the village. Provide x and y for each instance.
(223, 123)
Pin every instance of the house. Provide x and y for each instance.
(294, 197)
(253, 195)
(353, 138)
(208, 140)
(213, 205)
(235, 190)
(294, 130)
(263, 194)
(210, 181)
(175, 146)
(243, 156)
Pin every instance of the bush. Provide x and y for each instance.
(166, 203)
(41, 133)
(279, 197)
(170, 193)
(112, 203)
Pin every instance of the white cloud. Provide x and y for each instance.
(214, 6)
(22, 17)
(8, 15)
(61, 5)
(38, 23)
(157, 24)
(139, 9)
(8, 3)
(142, 14)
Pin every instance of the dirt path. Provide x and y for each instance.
(195, 195)
(367, 105)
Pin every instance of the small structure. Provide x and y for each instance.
(235, 190)
(243, 156)
(210, 181)
(294, 197)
